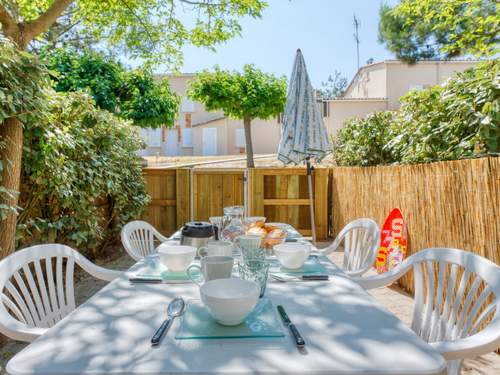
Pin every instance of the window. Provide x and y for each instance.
(240, 138)
(187, 137)
(209, 141)
(326, 109)
(152, 137)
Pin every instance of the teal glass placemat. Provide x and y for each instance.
(312, 266)
(154, 269)
(196, 323)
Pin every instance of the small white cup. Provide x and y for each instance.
(212, 268)
(292, 255)
(176, 258)
(216, 248)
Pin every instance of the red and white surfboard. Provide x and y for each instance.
(393, 242)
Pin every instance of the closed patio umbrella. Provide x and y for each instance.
(304, 137)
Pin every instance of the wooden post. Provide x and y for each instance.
(321, 202)
(257, 193)
(183, 196)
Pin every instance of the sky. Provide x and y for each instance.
(322, 29)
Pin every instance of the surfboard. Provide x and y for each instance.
(393, 242)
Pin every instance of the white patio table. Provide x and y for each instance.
(345, 329)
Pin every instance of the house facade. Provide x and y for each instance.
(379, 86)
(198, 132)
(375, 87)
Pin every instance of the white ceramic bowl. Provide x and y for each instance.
(229, 301)
(176, 258)
(292, 255)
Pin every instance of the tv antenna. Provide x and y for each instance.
(357, 25)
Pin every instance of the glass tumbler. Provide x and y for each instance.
(255, 270)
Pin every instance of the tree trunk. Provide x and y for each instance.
(247, 122)
(11, 132)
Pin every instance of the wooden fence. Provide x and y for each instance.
(214, 189)
(452, 204)
(280, 194)
(448, 204)
(169, 191)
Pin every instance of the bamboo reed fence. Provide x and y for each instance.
(446, 204)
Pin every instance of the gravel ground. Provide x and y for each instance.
(394, 298)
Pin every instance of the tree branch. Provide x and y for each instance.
(9, 24)
(34, 28)
(199, 3)
(139, 19)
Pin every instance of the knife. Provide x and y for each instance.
(299, 341)
(286, 277)
(145, 280)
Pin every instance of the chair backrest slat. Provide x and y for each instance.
(13, 308)
(418, 278)
(21, 304)
(40, 310)
(70, 297)
(43, 291)
(428, 306)
(56, 312)
(458, 299)
(27, 298)
(448, 300)
(459, 326)
(473, 314)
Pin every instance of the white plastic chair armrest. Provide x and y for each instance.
(95, 270)
(378, 281)
(333, 247)
(483, 342)
(359, 272)
(161, 237)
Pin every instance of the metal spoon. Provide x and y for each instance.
(175, 308)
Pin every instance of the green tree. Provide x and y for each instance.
(422, 29)
(134, 95)
(147, 102)
(334, 87)
(154, 30)
(245, 96)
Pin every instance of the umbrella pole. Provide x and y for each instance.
(311, 198)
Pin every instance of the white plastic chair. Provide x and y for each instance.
(36, 288)
(455, 292)
(361, 239)
(138, 239)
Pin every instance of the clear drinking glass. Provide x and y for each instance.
(249, 254)
(232, 223)
(255, 270)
